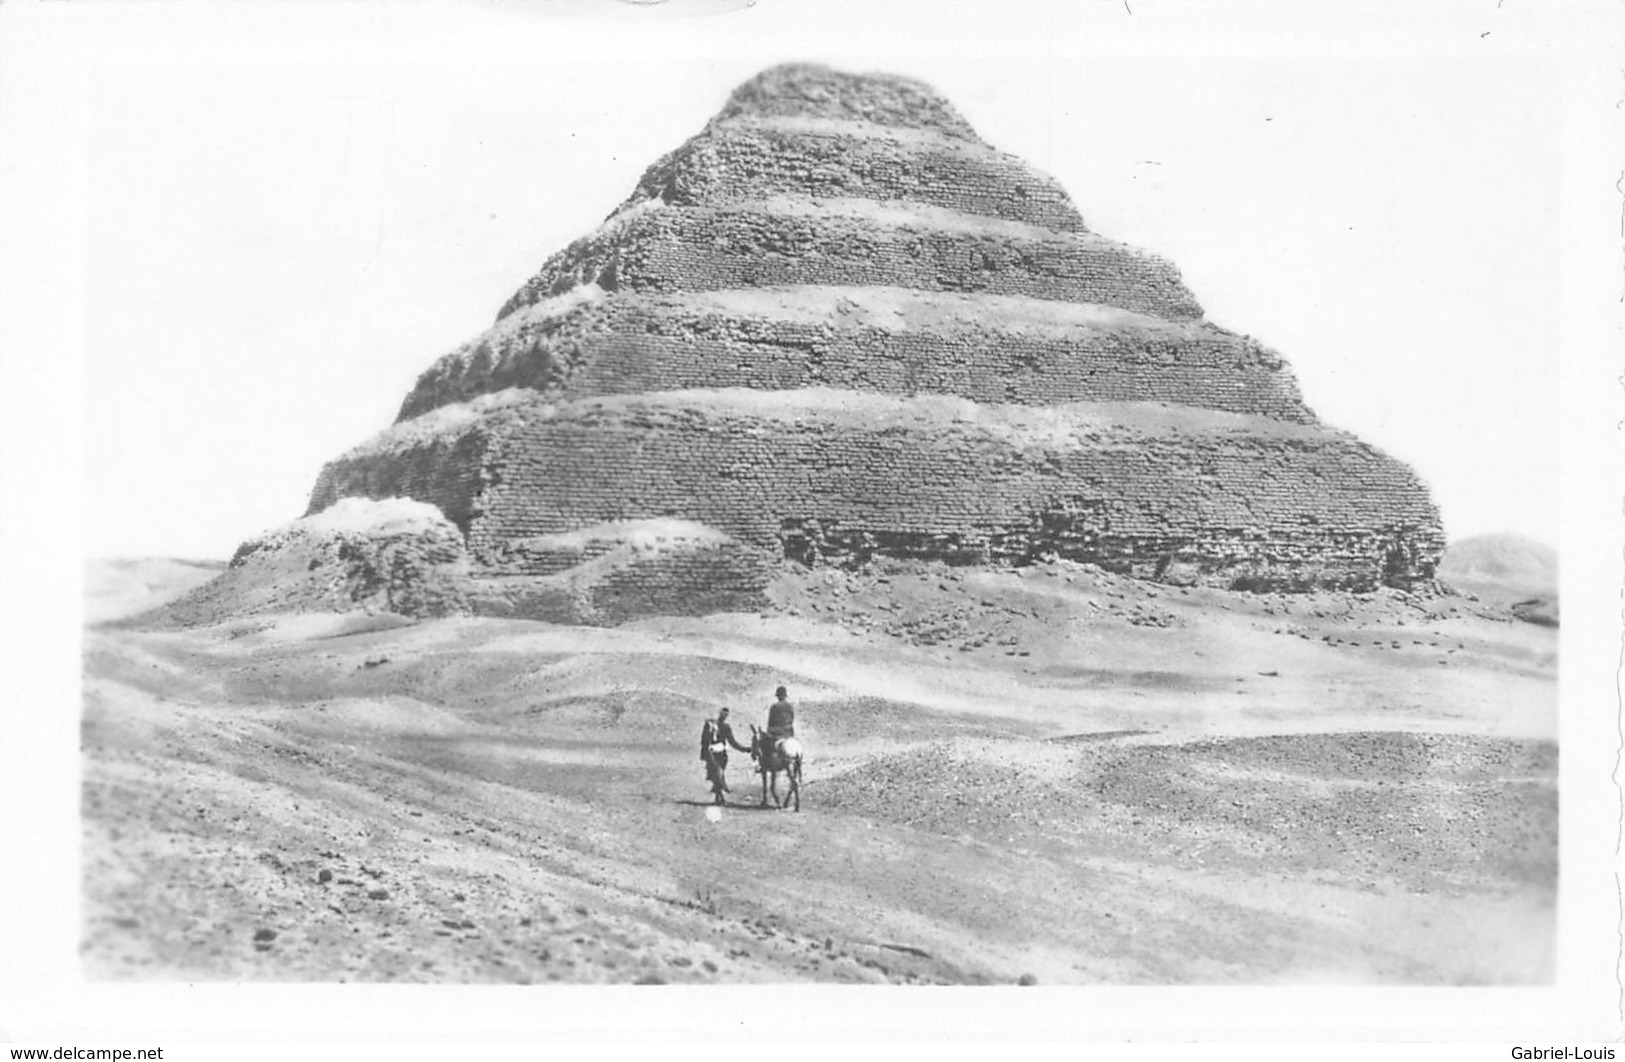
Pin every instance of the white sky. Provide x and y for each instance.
(290, 216)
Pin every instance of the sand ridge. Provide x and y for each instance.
(1155, 787)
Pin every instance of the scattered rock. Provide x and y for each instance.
(908, 949)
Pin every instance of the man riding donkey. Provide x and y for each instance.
(715, 737)
(778, 750)
(775, 750)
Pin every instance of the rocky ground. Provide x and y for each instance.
(1055, 775)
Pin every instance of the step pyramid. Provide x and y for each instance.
(837, 325)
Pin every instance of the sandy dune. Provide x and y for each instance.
(115, 589)
(1057, 774)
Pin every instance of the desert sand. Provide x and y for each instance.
(1053, 774)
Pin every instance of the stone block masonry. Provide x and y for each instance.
(613, 572)
(894, 340)
(808, 90)
(655, 248)
(826, 477)
(748, 159)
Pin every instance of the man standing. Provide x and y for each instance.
(715, 737)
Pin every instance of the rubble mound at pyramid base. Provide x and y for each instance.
(615, 572)
(359, 555)
(404, 557)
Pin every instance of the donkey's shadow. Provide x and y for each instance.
(731, 805)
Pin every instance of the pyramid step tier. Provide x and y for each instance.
(829, 476)
(811, 90)
(985, 347)
(656, 247)
(751, 158)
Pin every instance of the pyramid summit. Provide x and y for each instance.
(809, 90)
(836, 325)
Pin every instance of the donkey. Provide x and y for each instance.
(773, 755)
